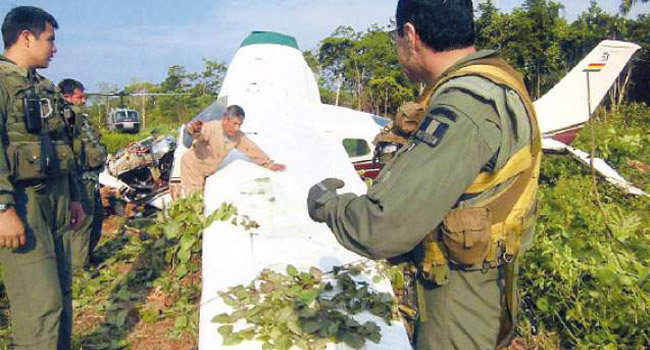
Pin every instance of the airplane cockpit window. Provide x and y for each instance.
(356, 147)
(381, 121)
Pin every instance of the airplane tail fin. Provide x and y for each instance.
(565, 105)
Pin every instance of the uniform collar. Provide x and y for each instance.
(428, 91)
(475, 56)
(23, 72)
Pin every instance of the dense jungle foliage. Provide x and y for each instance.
(586, 278)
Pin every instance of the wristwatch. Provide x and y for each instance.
(4, 207)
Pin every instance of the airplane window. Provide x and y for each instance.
(356, 147)
(381, 121)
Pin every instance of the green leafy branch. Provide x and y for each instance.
(300, 309)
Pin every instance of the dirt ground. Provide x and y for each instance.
(143, 335)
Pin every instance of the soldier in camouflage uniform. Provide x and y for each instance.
(38, 189)
(91, 157)
(458, 201)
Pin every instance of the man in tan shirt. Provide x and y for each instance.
(213, 141)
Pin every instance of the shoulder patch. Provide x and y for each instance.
(433, 128)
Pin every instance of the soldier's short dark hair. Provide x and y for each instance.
(25, 18)
(68, 86)
(235, 111)
(442, 25)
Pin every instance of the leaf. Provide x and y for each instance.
(184, 254)
(354, 340)
(308, 296)
(605, 275)
(181, 271)
(222, 318)
(311, 326)
(542, 304)
(374, 337)
(171, 229)
(248, 333)
(294, 326)
(187, 241)
(181, 322)
(225, 330)
(284, 315)
(370, 327)
(119, 318)
(228, 300)
(292, 271)
(232, 339)
(284, 342)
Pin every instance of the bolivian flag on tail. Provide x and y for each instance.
(595, 67)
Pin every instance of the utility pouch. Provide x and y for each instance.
(33, 112)
(25, 160)
(49, 160)
(65, 158)
(434, 266)
(466, 234)
(95, 156)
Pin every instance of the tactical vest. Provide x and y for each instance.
(40, 154)
(90, 152)
(488, 233)
(396, 134)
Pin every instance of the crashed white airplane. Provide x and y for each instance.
(270, 79)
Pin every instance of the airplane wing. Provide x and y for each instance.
(271, 81)
(602, 168)
(277, 202)
(565, 106)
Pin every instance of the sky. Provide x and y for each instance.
(116, 42)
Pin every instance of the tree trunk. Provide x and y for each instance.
(386, 103)
(539, 84)
(338, 88)
(626, 84)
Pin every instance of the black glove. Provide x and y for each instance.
(319, 194)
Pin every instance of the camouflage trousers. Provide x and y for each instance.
(37, 275)
(84, 240)
(464, 314)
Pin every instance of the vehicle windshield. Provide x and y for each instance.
(126, 116)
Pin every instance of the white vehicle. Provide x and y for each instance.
(124, 120)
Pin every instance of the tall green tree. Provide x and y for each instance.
(364, 65)
(626, 5)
